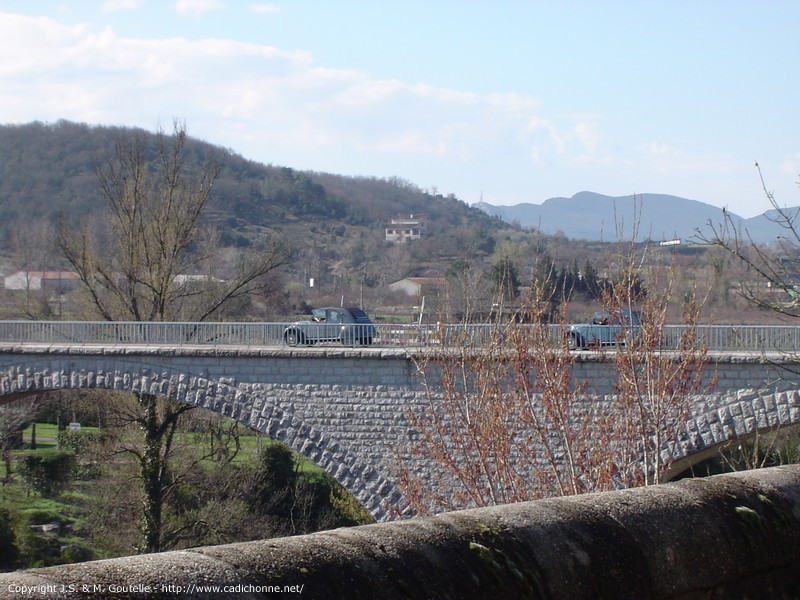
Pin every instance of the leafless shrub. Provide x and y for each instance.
(505, 419)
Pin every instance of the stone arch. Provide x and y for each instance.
(250, 406)
(735, 415)
(345, 409)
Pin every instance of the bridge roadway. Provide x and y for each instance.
(346, 408)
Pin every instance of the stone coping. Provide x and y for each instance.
(731, 536)
(329, 351)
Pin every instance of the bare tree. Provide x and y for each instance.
(33, 250)
(656, 373)
(506, 420)
(158, 258)
(394, 263)
(467, 289)
(156, 263)
(773, 283)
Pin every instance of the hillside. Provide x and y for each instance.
(47, 172)
(592, 216)
(335, 227)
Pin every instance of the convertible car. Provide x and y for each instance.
(346, 325)
(614, 328)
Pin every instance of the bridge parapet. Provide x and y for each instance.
(731, 338)
(730, 536)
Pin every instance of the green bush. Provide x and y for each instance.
(81, 443)
(301, 502)
(88, 472)
(47, 471)
(40, 516)
(9, 553)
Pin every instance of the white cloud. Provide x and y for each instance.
(791, 165)
(116, 5)
(278, 106)
(196, 8)
(588, 135)
(656, 149)
(264, 8)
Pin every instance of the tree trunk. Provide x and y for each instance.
(152, 470)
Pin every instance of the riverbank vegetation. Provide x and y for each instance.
(70, 495)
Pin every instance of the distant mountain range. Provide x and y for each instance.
(591, 216)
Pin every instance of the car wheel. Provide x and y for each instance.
(367, 341)
(574, 342)
(293, 337)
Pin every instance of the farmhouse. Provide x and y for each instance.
(419, 286)
(52, 281)
(406, 227)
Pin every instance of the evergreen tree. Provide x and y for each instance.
(504, 278)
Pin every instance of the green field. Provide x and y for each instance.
(46, 435)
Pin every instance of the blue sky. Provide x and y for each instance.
(508, 101)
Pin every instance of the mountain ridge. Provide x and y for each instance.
(592, 216)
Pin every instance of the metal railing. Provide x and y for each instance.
(135, 332)
(717, 337)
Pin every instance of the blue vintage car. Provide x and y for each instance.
(346, 325)
(614, 328)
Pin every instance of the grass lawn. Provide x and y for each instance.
(46, 435)
(251, 444)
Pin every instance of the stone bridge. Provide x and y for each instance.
(345, 409)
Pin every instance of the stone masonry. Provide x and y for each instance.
(346, 408)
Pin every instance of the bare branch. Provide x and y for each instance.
(773, 284)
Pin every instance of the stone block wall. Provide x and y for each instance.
(346, 408)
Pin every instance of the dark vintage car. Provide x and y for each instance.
(346, 325)
(613, 328)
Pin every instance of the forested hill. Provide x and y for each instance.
(47, 171)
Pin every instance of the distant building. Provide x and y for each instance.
(419, 286)
(406, 227)
(53, 281)
(190, 279)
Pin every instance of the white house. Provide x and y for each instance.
(189, 279)
(54, 281)
(406, 227)
(419, 286)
